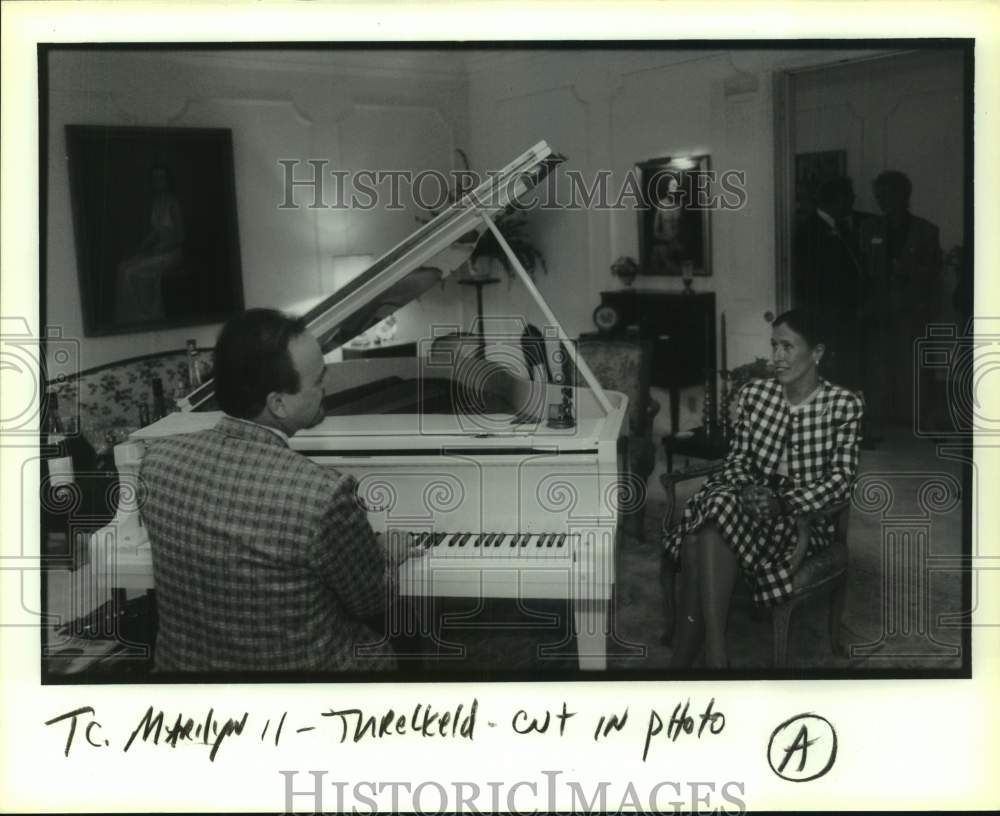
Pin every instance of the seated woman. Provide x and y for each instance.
(795, 452)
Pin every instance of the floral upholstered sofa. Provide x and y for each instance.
(108, 399)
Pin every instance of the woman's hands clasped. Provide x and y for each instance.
(760, 502)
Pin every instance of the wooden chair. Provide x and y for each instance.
(824, 572)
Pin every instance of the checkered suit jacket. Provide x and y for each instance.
(262, 559)
(823, 441)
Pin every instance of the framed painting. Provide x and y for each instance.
(674, 217)
(154, 217)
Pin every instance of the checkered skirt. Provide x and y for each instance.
(822, 438)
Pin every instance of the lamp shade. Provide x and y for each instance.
(342, 270)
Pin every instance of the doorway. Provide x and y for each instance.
(907, 112)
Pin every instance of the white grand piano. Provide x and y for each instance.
(510, 485)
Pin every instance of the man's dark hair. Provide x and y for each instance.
(835, 190)
(805, 323)
(895, 180)
(252, 360)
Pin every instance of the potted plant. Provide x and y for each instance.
(625, 269)
(512, 225)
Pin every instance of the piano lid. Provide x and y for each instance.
(422, 259)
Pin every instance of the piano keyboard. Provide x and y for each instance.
(500, 544)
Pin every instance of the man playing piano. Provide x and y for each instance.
(262, 559)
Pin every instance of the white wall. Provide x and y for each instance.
(380, 110)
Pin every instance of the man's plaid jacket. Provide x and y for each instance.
(262, 559)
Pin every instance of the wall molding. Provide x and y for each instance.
(243, 101)
(348, 60)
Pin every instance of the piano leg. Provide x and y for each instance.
(590, 618)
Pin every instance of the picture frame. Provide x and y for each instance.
(155, 226)
(811, 170)
(674, 227)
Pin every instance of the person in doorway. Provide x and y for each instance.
(902, 259)
(827, 277)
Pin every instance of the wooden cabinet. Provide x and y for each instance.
(681, 328)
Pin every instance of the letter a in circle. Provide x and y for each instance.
(800, 746)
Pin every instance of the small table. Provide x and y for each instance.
(694, 443)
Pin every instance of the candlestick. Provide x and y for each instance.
(707, 408)
(709, 362)
(724, 366)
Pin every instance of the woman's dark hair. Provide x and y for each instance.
(805, 323)
(252, 360)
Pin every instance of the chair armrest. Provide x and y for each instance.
(695, 471)
(671, 480)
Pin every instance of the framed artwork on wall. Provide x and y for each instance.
(811, 170)
(674, 238)
(154, 216)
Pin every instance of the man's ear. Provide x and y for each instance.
(818, 351)
(275, 403)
